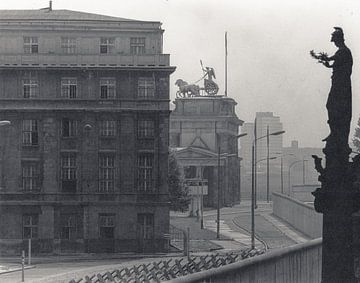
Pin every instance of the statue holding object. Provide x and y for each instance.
(339, 101)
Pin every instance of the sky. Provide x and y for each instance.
(269, 67)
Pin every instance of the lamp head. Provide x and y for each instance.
(277, 133)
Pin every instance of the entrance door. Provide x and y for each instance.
(145, 226)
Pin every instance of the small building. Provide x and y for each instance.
(201, 128)
(84, 160)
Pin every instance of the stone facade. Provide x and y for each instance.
(84, 160)
(200, 128)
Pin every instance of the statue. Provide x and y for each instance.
(339, 101)
(339, 195)
(191, 90)
(186, 90)
(210, 87)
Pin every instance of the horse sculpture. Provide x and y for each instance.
(186, 90)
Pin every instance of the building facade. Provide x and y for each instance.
(84, 159)
(201, 128)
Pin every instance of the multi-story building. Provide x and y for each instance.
(200, 128)
(265, 122)
(84, 159)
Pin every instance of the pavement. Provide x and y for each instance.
(270, 232)
(235, 226)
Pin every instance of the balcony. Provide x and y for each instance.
(88, 61)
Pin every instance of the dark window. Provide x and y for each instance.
(30, 135)
(68, 45)
(69, 128)
(31, 45)
(107, 45)
(30, 85)
(30, 226)
(68, 87)
(30, 176)
(107, 88)
(145, 128)
(146, 225)
(68, 226)
(106, 173)
(68, 172)
(137, 45)
(146, 87)
(107, 128)
(107, 226)
(145, 172)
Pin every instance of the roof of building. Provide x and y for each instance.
(56, 15)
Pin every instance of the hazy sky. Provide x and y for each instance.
(269, 67)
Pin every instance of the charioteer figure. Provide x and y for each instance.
(340, 98)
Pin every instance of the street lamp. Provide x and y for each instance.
(254, 145)
(218, 190)
(268, 163)
(291, 165)
(282, 169)
(253, 184)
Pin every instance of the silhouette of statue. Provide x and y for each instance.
(339, 101)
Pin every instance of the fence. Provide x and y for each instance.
(299, 263)
(165, 270)
(177, 238)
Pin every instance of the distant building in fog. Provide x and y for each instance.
(263, 122)
(302, 172)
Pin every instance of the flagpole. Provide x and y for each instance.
(226, 63)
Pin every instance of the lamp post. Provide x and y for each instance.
(218, 190)
(282, 169)
(255, 161)
(304, 160)
(291, 165)
(253, 184)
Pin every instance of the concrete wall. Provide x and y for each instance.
(299, 263)
(303, 192)
(298, 214)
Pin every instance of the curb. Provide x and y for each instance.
(17, 269)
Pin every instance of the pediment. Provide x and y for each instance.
(199, 142)
(195, 153)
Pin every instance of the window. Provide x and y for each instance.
(146, 87)
(30, 86)
(31, 45)
(106, 173)
(137, 45)
(69, 128)
(146, 225)
(68, 45)
(107, 128)
(106, 226)
(145, 128)
(30, 135)
(68, 87)
(107, 88)
(107, 45)
(30, 226)
(68, 226)
(68, 172)
(30, 176)
(145, 171)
